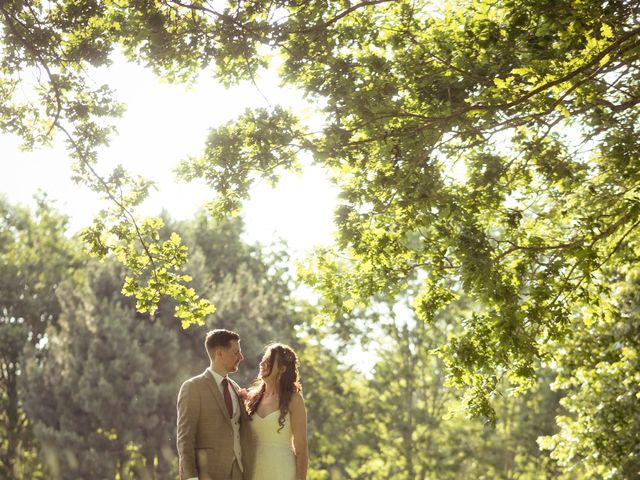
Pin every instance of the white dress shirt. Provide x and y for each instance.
(232, 393)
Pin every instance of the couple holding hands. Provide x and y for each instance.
(228, 433)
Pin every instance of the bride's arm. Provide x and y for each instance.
(299, 428)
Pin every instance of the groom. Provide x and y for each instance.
(212, 422)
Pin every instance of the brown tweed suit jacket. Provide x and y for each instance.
(205, 433)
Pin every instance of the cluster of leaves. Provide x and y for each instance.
(154, 266)
(49, 51)
(228, 164)
(600, 373)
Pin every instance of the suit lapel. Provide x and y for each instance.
(215, 391)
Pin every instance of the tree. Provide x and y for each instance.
(486, 148)
(35, 257)
(529, 220)
(599, 376)
(48, 51)
(102, 395)
(489, 148)
(415, 427)
(407, 406)
(336, 400)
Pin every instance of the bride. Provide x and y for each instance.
(278, 417)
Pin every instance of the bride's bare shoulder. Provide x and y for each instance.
(297, 401)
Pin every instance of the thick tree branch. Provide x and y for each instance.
(336, 18)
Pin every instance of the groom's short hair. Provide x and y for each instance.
(219, 338)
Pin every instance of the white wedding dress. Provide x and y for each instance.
(274, 456)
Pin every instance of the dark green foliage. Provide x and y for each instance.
(101, 392)
(35, 258)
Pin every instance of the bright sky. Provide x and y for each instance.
(163, 124)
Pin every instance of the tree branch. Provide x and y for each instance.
(339, 16)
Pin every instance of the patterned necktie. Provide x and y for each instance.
(227, 396)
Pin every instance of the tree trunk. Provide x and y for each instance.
(13, 433)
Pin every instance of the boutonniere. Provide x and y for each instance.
(243, 394)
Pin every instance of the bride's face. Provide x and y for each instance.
(269, 367)
(265, 366)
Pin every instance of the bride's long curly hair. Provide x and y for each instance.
(288, 383)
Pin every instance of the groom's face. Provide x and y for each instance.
(231, 356)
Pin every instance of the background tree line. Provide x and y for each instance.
(89, 384)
